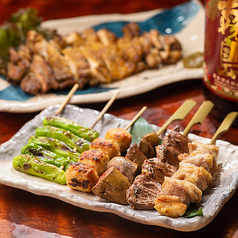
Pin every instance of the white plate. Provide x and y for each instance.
(222, 188)
(189, 21)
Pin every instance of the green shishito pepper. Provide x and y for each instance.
(37, 167)
(47, 156)
(80, 131)
(73, 141)
(55, 146)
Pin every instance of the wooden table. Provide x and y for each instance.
(23, 214)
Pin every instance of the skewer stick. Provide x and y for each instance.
(135, 118)
(179, 114)
(225, 125)
(199, 116)
(105, 109)
(70, 94)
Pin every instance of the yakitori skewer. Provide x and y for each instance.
(224, 127)
(93, 162)
(70, 94)
(193, 176)
(135, 118)
(199, 116)
(155, 168)
(107, 106)
(179, 114)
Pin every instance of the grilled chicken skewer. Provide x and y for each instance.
(147, 185)
(193, 176)
(93, 163)
(107, 106)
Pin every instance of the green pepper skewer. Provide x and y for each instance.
(63, 135)
(55, 146)
(80, 131)
(47, 156)
(37, 167)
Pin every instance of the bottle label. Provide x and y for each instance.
(221, 48)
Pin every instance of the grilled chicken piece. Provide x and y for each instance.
(19, 63)
(131, 30)
(73, 39)
(187, 191)
(51, 54)
(134, 154)
(131, 49)
(143, 192)
(117, 66)
(188, 182)
(170, 206)
(125, 166)
(194, 174)
(93, 53)
(78, 64)
(40, 77)
(121, 136)
(198, 159)
(157, 169)
(108, 146)
(96, 158)
(107, 37)
(205, 149)
(81, 177)
(89, 36)
(93, 57)
(112, 185)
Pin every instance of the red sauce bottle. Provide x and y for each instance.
(221, 57)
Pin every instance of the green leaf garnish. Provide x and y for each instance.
(140, 128)
(192, 211)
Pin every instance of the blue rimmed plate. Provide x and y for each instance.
(186, 21)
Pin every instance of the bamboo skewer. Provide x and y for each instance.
(70, 94)
(199, 116)
(135, 118)
(225, 125)
(179, 114)
(105, 109)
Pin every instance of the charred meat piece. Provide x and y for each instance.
(157, 169)
(40, 78)
(125, 166)
(51, 54)
(112, 185)
(146, 148)
(178, 140)
(134, 154)
(81, 177)
(143, 192)
(19, 63)
(174, 144)
(131, 30)
(168, 153)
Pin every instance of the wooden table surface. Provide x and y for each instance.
(23, 214)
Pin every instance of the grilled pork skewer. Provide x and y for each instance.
(144, 190)
(193, 176)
